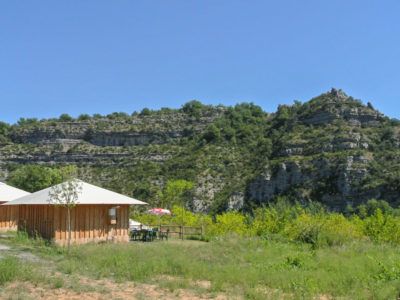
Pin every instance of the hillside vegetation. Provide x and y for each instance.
(333, 149)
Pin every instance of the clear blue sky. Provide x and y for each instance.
(98, 56)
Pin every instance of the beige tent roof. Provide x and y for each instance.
(90, 194)
(8, 193)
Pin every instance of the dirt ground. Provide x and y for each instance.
(99, 290)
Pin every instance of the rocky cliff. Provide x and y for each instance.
(333, 149)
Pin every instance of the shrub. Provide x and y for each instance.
(228, 223)
(281, 221)
(66, 118)
(323, 229)
(84, 117)
(382, 227)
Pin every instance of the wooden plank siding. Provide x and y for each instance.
(37, 220)
(89, 223)
(8, 217)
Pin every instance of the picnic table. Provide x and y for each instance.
(148, 235)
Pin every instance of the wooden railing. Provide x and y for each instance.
(179, 231)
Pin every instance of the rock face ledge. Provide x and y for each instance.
(336, 182)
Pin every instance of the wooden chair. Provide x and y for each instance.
(163, 235)
(153, 234)
(135, 235)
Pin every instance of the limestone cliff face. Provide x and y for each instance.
(331, 123)
(118, 139)
(336, 182)
(107, 131)
(50, 132)
(332, 149)
(336, 105)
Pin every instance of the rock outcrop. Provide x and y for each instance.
(336, 182)
(336, 105)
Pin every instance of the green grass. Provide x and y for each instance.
(249, 267)
(12, 269)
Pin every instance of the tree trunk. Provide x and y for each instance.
(69, 227)
(182, 221)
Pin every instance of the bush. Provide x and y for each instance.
(284, 222)
(66, 118)
(382, 227)
(323, 229)
(228, 223)
(84, 117)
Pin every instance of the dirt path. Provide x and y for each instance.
(4, 247)
(6, 250)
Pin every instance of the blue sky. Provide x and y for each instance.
(98, 56)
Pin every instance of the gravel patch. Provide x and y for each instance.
(4, 248)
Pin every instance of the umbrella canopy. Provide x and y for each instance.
(159, 211)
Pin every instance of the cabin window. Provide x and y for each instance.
(112, 214)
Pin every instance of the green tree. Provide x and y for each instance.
(33, 178)
(145, 112)
(84, 117)
(4, 130)
(27, 121)
(212, 133)
(372, 205)
(97, 116)
(193, 108)
(175, 192)
(66, 118)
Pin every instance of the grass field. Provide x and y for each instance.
(250, 268)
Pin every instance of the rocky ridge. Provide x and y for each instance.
(332, 149)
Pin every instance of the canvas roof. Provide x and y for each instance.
(90, 194)
(8, 193)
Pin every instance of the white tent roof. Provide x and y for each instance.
(89, 194)
(8, 193)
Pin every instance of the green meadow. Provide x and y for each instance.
(279, 252)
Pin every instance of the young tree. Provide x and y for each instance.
(175, 192)
(66, 195)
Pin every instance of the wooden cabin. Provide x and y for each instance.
(99, 215)
(9, 214)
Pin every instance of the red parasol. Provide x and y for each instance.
(159, 211)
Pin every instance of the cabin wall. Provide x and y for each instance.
(89, 223)
(37, 220)
(8, 217)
